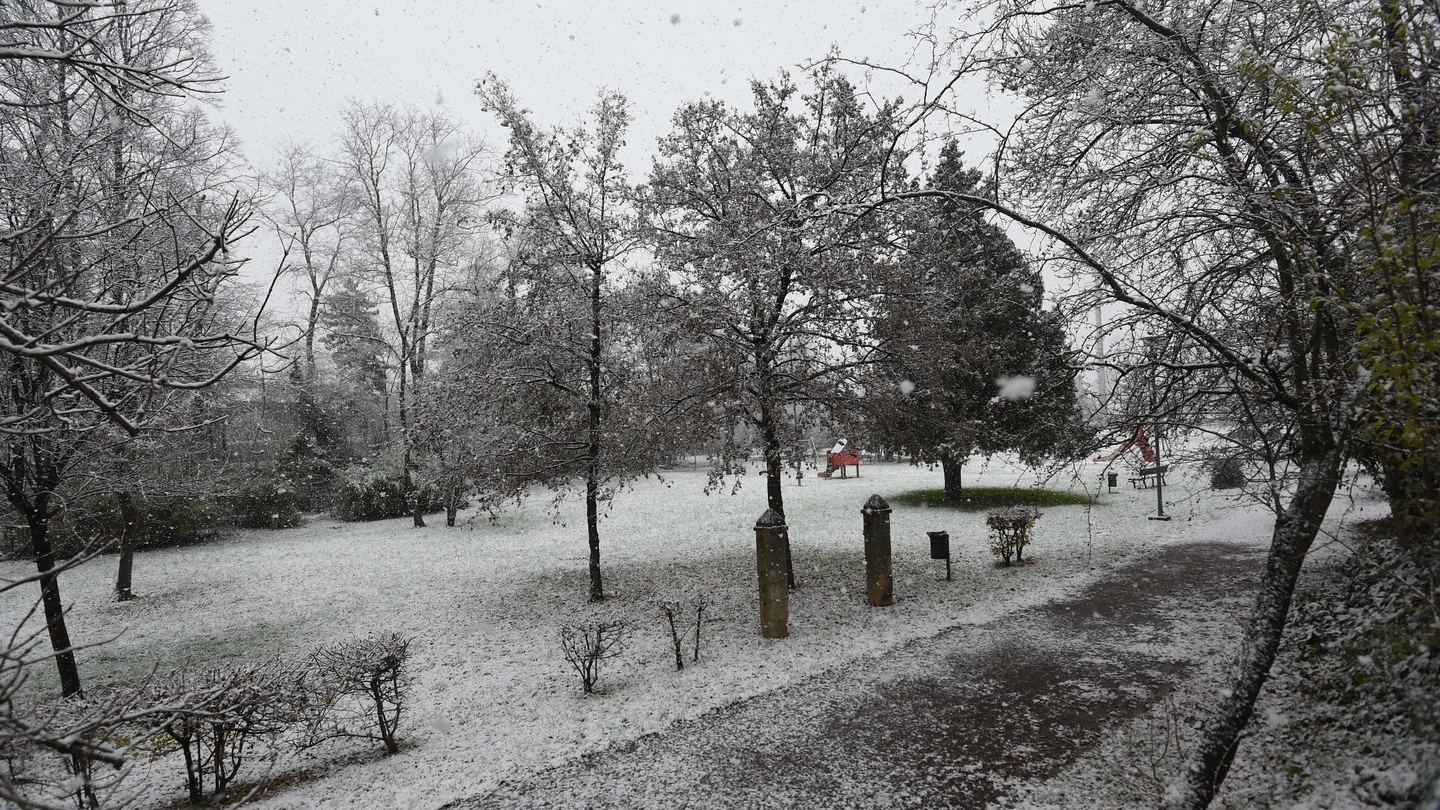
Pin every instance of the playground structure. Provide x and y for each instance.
(1137, 439)
(1144, 476)
(841, 457)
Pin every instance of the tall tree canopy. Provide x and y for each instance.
(973, 361)
(774, 289)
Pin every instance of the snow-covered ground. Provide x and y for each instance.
(493, 697)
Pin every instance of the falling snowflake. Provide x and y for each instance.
(1021, 387)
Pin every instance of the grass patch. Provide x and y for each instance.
(982, 498)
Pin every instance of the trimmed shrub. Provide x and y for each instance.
(357, 688)
(222, 713)
(265, 504)
(1227, 473)
(1010, 531)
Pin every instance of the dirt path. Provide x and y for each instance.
(941, 722)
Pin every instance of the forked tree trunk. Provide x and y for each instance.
(1295, 530)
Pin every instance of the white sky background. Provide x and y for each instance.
(294, 64)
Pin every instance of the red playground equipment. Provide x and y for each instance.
(841, 456)
(1137, 439)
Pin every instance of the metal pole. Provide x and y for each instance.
(1159, 466)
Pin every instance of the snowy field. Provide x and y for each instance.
(493, 698)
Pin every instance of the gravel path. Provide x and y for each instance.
(941, 722)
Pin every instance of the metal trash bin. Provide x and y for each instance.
(1112, 479)
(939, 545)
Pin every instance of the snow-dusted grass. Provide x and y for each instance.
(494, 698)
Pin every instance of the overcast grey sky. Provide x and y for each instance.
(293, 65)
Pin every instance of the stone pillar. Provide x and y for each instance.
(879, 584)
(771, 542)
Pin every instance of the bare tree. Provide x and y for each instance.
(117, 215)
(307, 211)
(578, 227)
(413, 178)
(1202, 170)
(776, 293)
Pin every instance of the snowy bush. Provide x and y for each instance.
(222, 713)
(1010, 531)
(1227, 473)
(304, 469)
(378, 496)
(169, 520)
(587, 645)
(677, 611)
(265, 503)
(357, 689)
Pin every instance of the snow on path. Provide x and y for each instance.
(940, 722)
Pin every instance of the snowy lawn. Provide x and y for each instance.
(493, 697)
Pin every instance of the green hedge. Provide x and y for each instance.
(377, 497)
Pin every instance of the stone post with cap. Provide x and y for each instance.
(879, 583)
(771, 543)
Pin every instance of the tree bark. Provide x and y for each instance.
(1295, 530)
(774, 494)
(592, 449)
(130, 520)
(952, 468)
(38, 517)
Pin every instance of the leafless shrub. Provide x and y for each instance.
(240, 706)
(1010, 531)
(676, 610)
(357, 689)
(587, 645)
(78, 750)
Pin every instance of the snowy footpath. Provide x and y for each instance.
(946, 721)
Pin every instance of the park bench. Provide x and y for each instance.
(1143, 476)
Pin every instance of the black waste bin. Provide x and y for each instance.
(939, 545)
(1113, 479)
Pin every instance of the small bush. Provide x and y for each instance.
(221, 714)
(1227, 473)
(357, 688)
(589, 644)
(265, 504)
(676, 610)
(1010, 531)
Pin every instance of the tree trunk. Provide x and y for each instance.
(592, 449)
(39, 519)
(452, 508)
(952, 468)
(412, 493)
(130, 519)
(775, 495)
(1295, 529)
